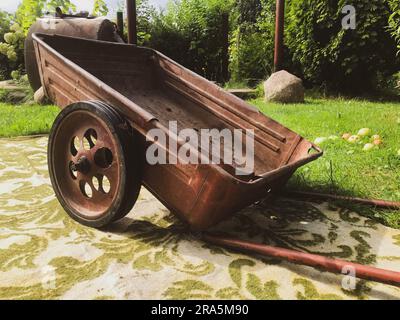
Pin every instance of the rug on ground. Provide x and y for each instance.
(151, 255)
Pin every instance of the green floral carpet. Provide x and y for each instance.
(150, 255)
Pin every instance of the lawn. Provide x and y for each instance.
(20, 120)
(345, 168)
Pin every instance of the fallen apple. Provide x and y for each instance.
(354, 139)
(377, 142)
(346, 136)
(368, 147)
(364, 132)
(376, 137)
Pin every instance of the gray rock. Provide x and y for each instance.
(284, 87)
(39, 96)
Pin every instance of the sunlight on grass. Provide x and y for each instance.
(24, 120)
(345, 168)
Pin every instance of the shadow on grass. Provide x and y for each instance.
(388, 217)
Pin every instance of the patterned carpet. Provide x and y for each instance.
(150, 255)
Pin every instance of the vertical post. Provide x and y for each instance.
(132, 22)
(279, 32)
(120, 23)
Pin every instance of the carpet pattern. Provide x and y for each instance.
(151, 255)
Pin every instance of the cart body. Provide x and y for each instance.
(150, 90)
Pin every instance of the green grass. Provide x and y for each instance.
(345, 168)
(21, 120)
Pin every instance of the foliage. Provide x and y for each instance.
(100, 8)
(4, 28)
(252, 44)
(13, 49)
(328, 55)
(64, 5)
(145, 14)
(27, 13)
(394, 21)
(13, 29)
(195, 33)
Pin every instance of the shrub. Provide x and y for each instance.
(394, 21)
(192, 33)
(345, 60)
(12, 48)
(252, 41)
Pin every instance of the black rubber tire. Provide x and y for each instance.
(130, 177)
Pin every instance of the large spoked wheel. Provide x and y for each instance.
(92, 166)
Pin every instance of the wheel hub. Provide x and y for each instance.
(82, 165)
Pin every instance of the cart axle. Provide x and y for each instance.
(82, 165)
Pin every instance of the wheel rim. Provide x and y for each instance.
(87, 164)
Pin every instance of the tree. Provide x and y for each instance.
(27, 13)
(251, 50)
(349, 61)
(394, 21)
(100, 8)
(65, 5)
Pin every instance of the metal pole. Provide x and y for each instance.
(120, 23)
(279, 31)
(323, 196)
(132, 21)
(312, 260)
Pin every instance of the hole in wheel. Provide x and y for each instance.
(74, 174)
(86, 189)
(90, 139)
(96, 181)
(105, 185)
(103, 158)
(75, 146)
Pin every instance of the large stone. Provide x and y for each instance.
(39, 96)
(284, 87)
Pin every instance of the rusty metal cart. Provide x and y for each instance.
(112, 95)
(141, 89)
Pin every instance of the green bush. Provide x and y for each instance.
(13, 50)
(394, 21)
(14, 28)
(252, 41)
(192, 33)
(345, 60)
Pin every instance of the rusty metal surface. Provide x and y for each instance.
(312, 260)
(150, 90)
(279, 35)
(79, 158)
(323, 196)
(96, 29)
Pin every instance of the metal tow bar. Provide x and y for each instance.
(312, 260)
